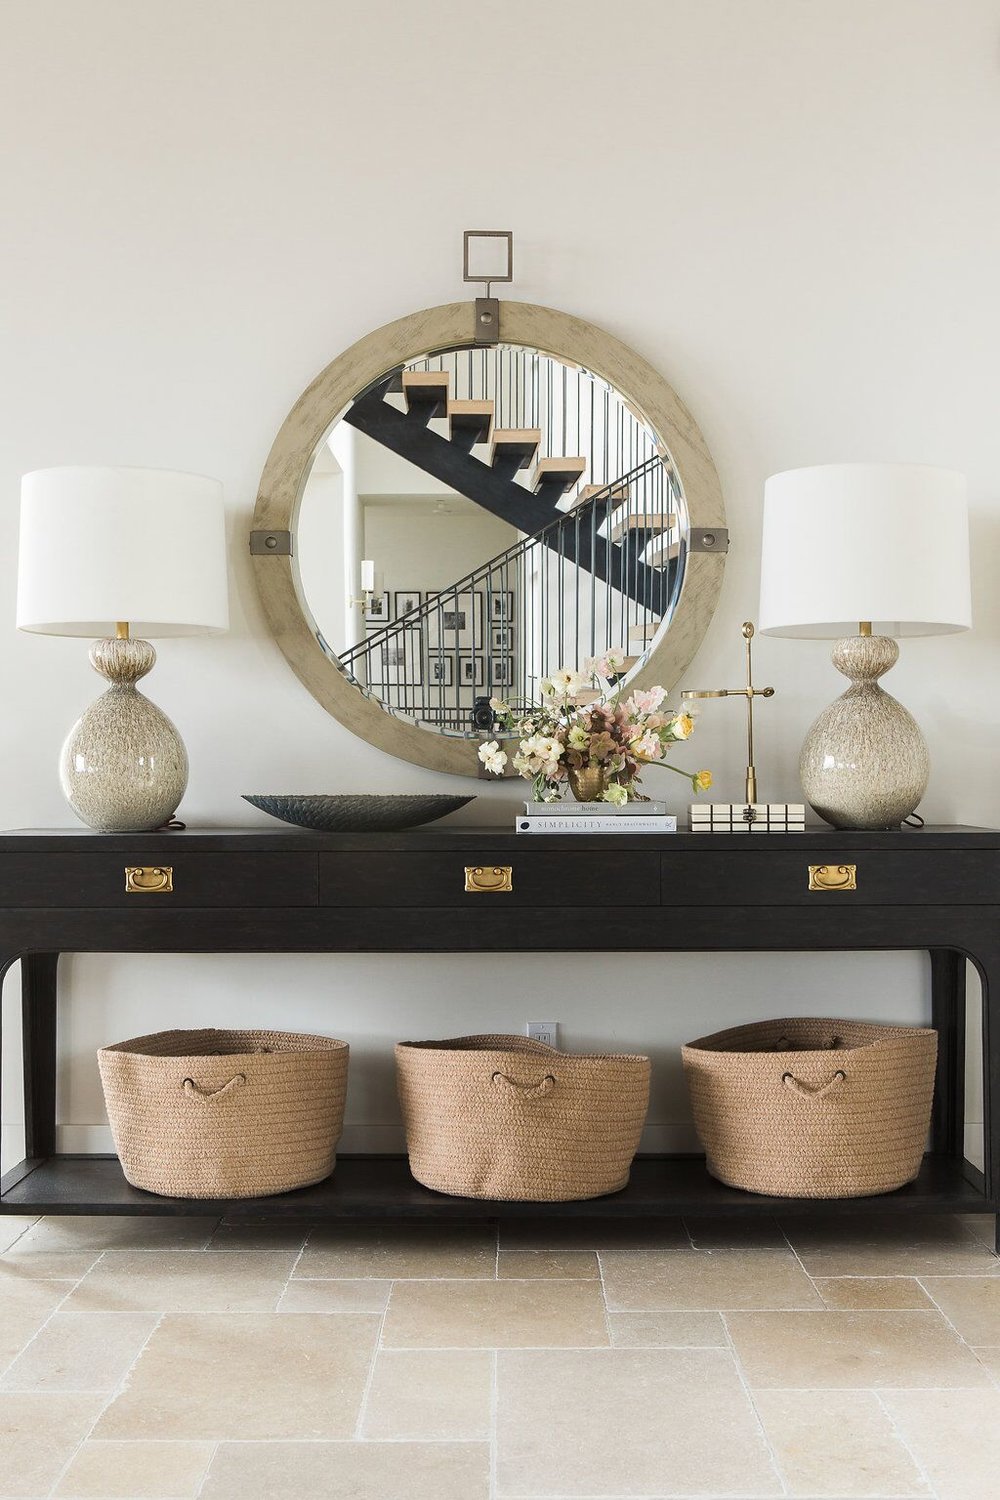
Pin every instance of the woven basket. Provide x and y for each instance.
(503, 1117)
(225, 1114)
(813, 1108)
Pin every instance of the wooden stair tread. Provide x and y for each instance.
(586, 696)
(617, 496)
(510, 443)
(661, 551)
(426, 388)
(621, 525)
(557, 473)
(471, 416)
(641, 635)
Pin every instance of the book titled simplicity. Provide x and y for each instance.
(588, 821)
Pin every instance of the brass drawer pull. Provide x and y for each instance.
(141, 879)
(833, 877)
(489, 878)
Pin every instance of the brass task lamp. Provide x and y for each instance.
(750, 816)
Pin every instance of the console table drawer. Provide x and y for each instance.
(157, 882)
(761, 877)
(481, 879)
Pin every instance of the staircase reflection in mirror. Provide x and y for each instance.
(524, 503)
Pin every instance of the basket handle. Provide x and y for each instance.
(807, 1091)
(532, 1090)
(194, 1091)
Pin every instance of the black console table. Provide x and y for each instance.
(469, 890)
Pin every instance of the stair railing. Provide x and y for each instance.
(567, 593)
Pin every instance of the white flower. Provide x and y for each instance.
(493, 758)
(578, 737)
(568, 683)
(615, 794)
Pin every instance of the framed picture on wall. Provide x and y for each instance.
(407, 600)
(502, 606)
(470, 670)
(397, 661)
(378, 610)
(440, 670)
(501, 638)
(456, 621)
(501, 671)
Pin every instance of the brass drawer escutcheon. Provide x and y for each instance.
(833, 877)
(489, 878)
(143, 879)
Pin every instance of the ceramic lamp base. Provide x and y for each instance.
(864, 763)
(123, 767)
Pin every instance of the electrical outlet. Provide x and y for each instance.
(544, 1031)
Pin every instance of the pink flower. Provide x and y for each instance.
(648, 702)
(648, 746)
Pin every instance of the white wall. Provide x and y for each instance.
(790, 208)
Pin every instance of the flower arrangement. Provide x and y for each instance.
(599, 749)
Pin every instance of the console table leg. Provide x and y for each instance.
(38, 1022)
(948, 1019)
(987, 961)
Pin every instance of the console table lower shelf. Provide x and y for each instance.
(380, 1187)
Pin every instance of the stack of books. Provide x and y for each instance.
(595, 817)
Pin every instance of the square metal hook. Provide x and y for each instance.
(490, 261)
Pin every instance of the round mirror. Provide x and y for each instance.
(441, 523)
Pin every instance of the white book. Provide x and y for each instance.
(594, 810)
(577, 824)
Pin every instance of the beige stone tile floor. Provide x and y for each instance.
(854, 1358)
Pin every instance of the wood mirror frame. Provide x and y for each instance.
(431, 331)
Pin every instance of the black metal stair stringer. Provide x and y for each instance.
(572, 538)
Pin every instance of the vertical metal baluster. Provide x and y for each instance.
(560, 601)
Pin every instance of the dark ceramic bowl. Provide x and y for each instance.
(353, 813)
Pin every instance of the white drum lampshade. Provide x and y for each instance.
(862, 553)
(122, 553)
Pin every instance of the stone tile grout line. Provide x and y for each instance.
(112, 1396)
(359, 1426)
(932, 1489)
(752, 1403)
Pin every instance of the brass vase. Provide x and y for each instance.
(587, 782)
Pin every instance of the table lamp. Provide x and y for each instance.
(861, 553)
(122, 553)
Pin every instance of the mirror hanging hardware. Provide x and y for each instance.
(486, 327)
(270, 544)
(708, 539)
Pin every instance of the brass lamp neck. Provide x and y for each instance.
(864, 627)
(121, 630)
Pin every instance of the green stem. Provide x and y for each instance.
(666, 766)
